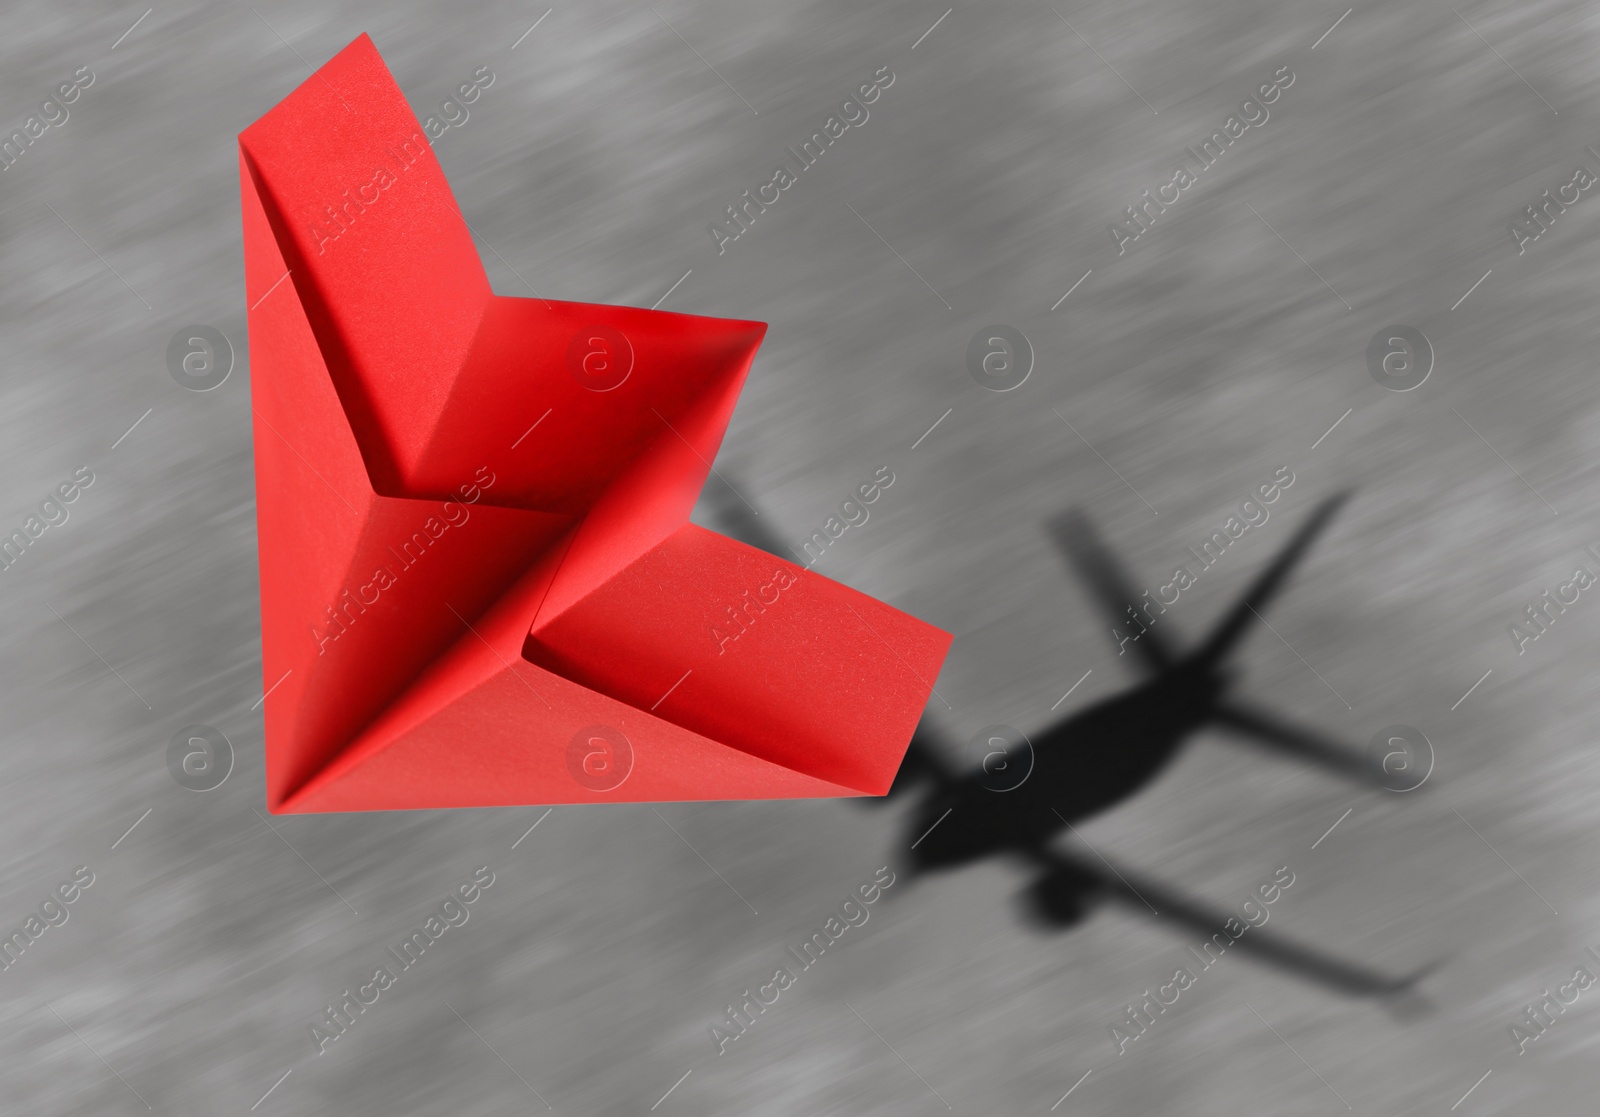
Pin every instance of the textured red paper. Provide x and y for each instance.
(470, 559)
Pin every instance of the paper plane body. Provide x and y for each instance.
(479, 582)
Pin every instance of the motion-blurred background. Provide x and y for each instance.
(1224, 344)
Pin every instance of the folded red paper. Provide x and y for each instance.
(479, 585)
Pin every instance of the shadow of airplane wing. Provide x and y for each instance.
(1269, 582)
(1072, 884)
(1267, 730)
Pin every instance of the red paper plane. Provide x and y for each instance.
(479, 585)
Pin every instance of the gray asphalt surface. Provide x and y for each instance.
(1229, 340)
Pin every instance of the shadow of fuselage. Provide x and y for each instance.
(1080, 767)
